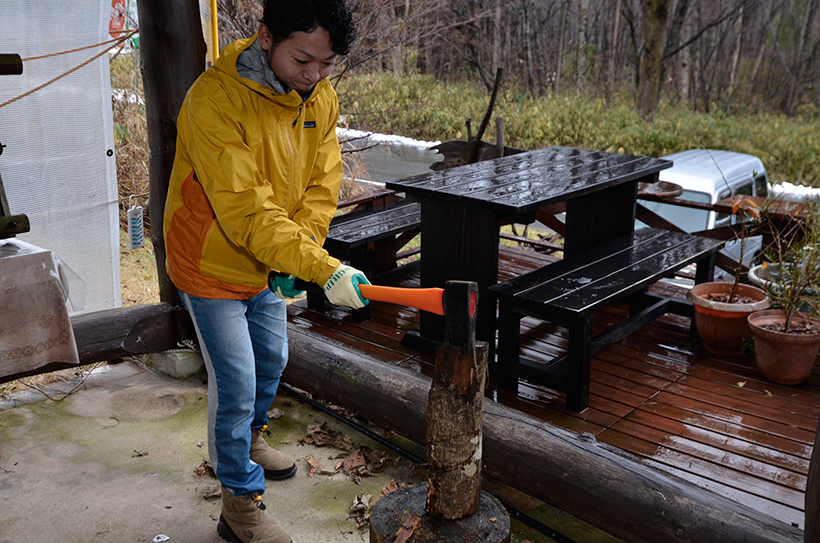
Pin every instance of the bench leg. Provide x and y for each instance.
(362, 314)
(509, 330)
(316, 301)
(579, 356)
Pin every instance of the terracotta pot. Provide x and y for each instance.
(787, 359)
(721, 326)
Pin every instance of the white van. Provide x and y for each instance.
(709, 176)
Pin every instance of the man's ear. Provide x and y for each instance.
(265, 37)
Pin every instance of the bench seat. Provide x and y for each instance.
(570, 291)
(370, 240)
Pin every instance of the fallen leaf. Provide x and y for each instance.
(213, 492)
(767, 393)
(360, 510)
(360, 503)
(137, 454)
(354, 462)
(741, 384)
(314, 464)
(325, 435)
(204, 468)
(275, 413)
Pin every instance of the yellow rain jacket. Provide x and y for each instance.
(254, 185)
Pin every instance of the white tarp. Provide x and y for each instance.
(58, 166)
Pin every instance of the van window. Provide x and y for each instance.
(744, 189)
(724, 219)
(761, 185)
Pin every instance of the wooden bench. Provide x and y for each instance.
(570, 291)
(370, 240)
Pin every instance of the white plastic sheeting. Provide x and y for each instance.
(58, 166)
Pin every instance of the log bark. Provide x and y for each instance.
(455, 406)
(592, 481)
(116, 333)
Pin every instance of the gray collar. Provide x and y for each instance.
(253, 64)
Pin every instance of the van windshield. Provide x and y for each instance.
(685, 218)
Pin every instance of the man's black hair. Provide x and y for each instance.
(284, 17)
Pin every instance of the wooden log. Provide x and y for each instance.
(112, 334)
(813, 494)
(596, 483)
(116, 333)
(455, 406)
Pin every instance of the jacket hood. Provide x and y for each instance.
(227, 63)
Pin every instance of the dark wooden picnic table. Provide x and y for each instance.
(462, 209)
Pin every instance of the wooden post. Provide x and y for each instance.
(452, 506)
(454, 409)
(172, 55)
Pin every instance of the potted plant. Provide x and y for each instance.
(721, 308)
(787, 339)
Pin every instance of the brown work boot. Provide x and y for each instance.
(277, 465)
(244, 520)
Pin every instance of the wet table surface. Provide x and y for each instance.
(463, 208)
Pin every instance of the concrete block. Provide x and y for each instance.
(177, 364)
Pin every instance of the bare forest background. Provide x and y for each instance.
(709, 54)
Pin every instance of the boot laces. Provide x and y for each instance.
(257, 501)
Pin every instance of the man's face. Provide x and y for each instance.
(302, 60)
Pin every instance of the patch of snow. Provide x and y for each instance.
(373, 137)
(793, 193)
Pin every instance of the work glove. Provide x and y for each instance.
(282, 285)
(343, 287)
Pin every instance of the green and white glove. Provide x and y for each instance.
(282, 285)
(343, 287)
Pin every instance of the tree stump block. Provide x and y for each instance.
(400, 517)
(451, 506)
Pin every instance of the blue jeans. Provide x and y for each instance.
(245, 348)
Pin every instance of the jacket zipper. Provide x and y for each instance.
(299, 114)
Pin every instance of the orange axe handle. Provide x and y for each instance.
(426, 299)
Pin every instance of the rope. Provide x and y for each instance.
(115, 42)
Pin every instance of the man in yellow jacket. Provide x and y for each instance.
(254, 186)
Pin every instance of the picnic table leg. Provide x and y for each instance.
(460, 242)
(578, 367)
(509, 345)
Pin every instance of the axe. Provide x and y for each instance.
(426, 299)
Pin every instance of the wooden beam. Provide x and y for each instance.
(597, 483)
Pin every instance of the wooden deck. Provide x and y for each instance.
(714, 421)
